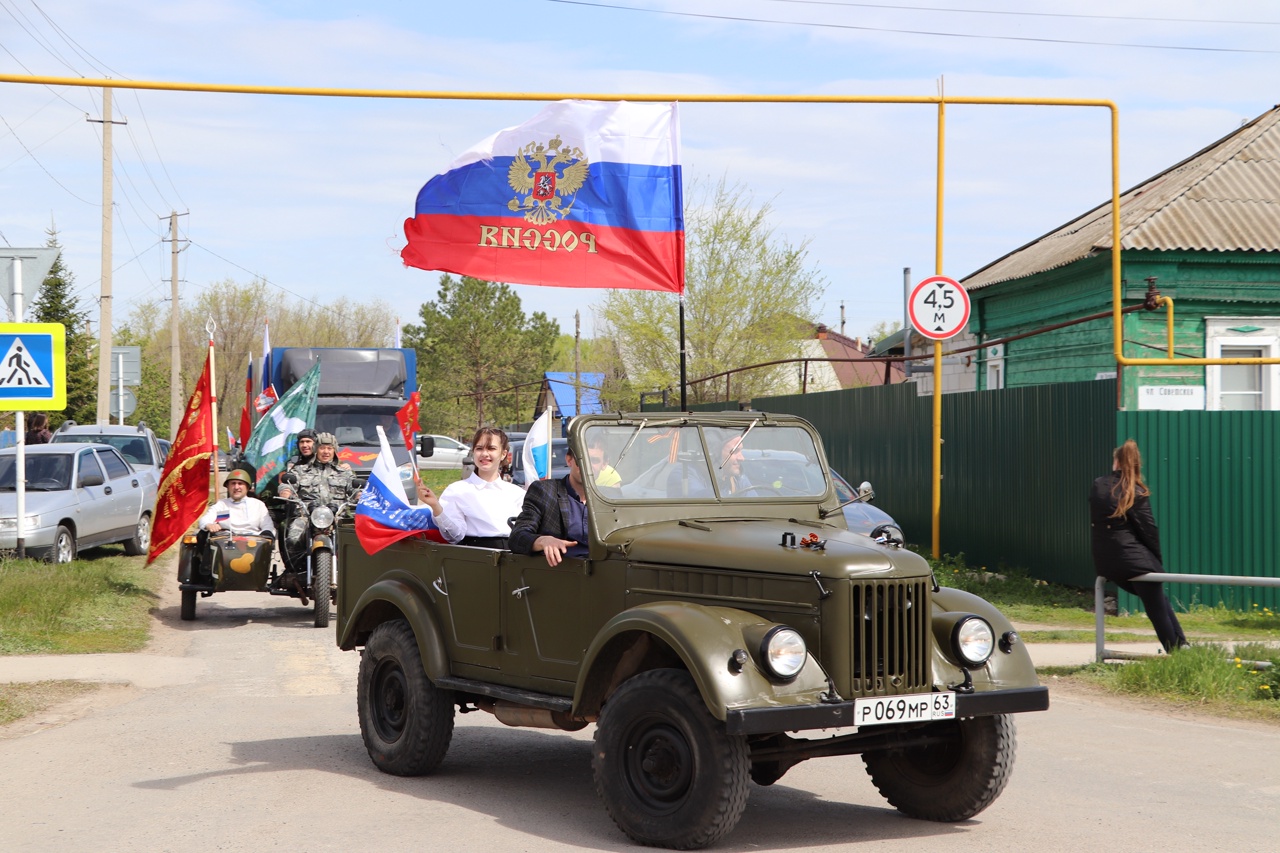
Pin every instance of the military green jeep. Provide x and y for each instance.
(723, 605)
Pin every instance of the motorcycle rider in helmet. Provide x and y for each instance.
(324, 479)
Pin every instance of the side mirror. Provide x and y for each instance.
(289, 478)
(93, 478)
(865, 492)
(426, 445)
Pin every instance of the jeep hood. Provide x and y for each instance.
(757, 545)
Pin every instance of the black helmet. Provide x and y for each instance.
(307, 433)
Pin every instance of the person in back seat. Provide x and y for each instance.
(475, 511)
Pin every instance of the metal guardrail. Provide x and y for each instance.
(1099, 601)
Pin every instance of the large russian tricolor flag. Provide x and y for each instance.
(584, 194)
(383, 514)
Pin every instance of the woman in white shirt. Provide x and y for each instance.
(474, 511)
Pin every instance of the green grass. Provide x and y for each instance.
(437, 479)
(99, 603)
(1205, 676)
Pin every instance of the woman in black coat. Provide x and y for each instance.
(1126, 542)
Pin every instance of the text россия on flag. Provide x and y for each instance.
(584, 194)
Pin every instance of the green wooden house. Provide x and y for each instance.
(1205, 232)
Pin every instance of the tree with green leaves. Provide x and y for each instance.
(238, 312)
(479, 357)
(57, 303)
(750, 298)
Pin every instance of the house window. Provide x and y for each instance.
(1242, 387)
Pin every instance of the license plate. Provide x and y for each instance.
(916, 708)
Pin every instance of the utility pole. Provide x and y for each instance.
(104, 306)
(577, 365)
(175, 352)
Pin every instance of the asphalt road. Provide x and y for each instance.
(239, 732)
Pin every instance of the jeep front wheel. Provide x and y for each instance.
(405, 720)
(666, 770)
(951, 780)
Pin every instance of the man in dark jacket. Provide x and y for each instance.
(553, 521)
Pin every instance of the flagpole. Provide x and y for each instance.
(684, 406)
(213, 411)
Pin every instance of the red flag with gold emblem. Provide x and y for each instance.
(184, 485)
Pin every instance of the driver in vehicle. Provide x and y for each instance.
(323, 480)
(238, 512)
(729, 470)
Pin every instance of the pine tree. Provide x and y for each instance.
(57, 303)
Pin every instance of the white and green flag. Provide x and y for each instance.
(275, 438)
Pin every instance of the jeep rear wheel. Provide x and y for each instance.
(952, 780)
(666, 770)
(405, 720)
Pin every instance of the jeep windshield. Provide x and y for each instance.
(679, 462)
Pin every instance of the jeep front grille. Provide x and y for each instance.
(890, 637)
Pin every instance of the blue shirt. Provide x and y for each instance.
(576, 524)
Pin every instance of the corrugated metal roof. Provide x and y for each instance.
(1223, 198)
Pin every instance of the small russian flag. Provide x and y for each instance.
(383, 515)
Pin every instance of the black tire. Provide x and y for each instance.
(666, 770)
(950, 781)
(405, 720)
(64, 546)
(141, 541)
(321, 572)
(188, 605)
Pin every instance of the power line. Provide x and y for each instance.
(1077, 16)
(36, 160)
(264, 279)
(898, 31)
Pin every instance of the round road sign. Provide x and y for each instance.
(939, 308)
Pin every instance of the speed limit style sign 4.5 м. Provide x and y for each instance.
(939, 308)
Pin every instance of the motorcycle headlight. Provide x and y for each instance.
(321, 517)
(783, 652)
(972, 640)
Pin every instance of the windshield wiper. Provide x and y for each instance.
(826, 513)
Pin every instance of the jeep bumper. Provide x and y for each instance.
(755, 721)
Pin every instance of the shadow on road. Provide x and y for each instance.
(540, 784)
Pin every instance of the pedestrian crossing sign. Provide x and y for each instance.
(33, 366)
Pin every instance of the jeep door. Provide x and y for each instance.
(546, 623)
(469, 584)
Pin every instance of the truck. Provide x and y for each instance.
(715, 634)
(360, 389)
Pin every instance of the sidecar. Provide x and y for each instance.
(222, 561)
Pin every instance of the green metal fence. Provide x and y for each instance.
(1214, 480)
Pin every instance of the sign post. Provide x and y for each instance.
(939, 309)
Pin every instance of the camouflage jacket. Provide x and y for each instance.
(327, 483)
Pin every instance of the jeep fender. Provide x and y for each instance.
(393, 598)
(1003, 670)
(704, 638)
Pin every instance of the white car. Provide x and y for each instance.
(77, 495)
(449, 453)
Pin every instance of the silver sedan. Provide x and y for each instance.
(77, 496)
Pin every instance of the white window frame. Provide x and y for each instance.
(1218, 333)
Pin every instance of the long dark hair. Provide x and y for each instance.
(1129, 485)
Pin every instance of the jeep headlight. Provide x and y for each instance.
(783, 652)
(972, 640)
(321, 517)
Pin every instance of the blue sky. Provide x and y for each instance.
(311, 193)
